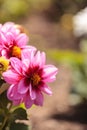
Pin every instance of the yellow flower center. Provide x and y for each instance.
(35, 79)
(4, 63)
(16, 51)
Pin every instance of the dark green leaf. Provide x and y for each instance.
(16, 126)
(21, 115)
(4, 100)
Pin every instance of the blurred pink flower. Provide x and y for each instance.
(28, 78)
(12, 42)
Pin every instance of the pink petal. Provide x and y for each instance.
(49, 70)
(29, 48)
(12, 93)
(32, 92)
(26, 54)
(25, 65)
(49, 79)
(7, 26)
(11, 77)
(37, 59)
(16, 64)
(39, 99)
(17, 102)
(45, 89)
(3, 38)
(28, 101)
(22, 88)
(9, 92)
(10, 38)
(29, 55)
(43, 57)
(22, 39)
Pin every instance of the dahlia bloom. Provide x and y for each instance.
(12, 43)
(28, 78)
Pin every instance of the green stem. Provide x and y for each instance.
(7, 116)
(4, 122)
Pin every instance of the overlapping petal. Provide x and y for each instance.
(49, 70)
(22, 88)
(16, 64)
(39, 99)
(22, 39)
(13, 94)
(44, 88)
(32, 92)
(11, 76)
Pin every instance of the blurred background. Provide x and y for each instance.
(60, 29)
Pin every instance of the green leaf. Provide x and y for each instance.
(20, 115)
(16, 126)
(65, 56)
(4, 100)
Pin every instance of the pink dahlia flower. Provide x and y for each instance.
(12, 45)
(4, 29)
(28, 78)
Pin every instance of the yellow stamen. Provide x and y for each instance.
(16, 51)
(35, 79)
(4, 63)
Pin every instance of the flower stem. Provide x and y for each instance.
(9, 106)
(4, 123)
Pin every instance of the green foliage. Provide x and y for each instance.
(12, 10)
(3, 101)
(65, 56)
(15, 126)
(79, 78)
(18, 114)
(78, 63)
(39, 4)
(54, 9)
(12, 118)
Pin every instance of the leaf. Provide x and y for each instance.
(4, 100)
(19, 106)
(18, 120)
(65, 56)
(16, 126)
(19, 113)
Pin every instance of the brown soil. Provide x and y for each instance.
(56, 113)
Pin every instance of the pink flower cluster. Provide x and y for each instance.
(28, 73)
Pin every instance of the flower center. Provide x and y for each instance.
(4, 63)
(35, 79)
(16, 51)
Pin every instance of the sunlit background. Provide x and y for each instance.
(58, 27)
